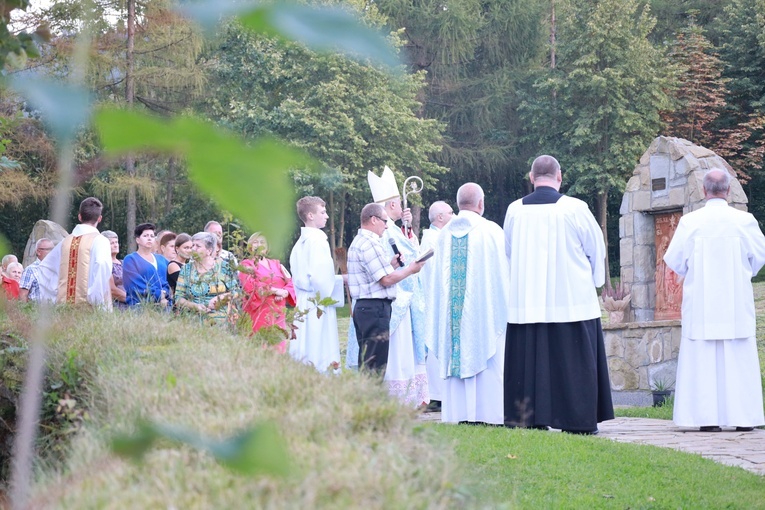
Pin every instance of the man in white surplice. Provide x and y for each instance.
(439, 214)
(717, 250)
(469, 297)
(79, 269)
(556, 370)
(316, 340)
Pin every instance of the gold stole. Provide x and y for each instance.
(74, 271)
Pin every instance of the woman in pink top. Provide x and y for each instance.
(268, 290)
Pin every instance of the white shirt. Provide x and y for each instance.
(718, 249)
(557, 259)
(99, 275)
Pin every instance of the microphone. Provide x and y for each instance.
(395, 250)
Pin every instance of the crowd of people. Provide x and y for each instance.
(490, 324)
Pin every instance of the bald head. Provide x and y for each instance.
(716, 183)
(545, 171)
(440, 213)
(470, 198)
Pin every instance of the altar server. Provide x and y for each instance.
(555, 362)
(717, 250)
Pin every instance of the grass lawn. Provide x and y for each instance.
(350, 445)
(534, 469)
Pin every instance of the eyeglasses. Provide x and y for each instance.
(384, 220)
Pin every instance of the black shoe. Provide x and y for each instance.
(710, 428)
(744, 429)
(433, 407)
(582, 432)
(528, 427)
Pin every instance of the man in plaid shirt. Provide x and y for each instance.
(371, 280)
(30, 289)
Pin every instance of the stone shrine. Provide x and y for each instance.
(667, 183)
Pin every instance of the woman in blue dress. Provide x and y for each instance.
(144, 274)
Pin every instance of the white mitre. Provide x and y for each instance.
(383, 188)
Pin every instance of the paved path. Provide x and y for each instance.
(742, 449)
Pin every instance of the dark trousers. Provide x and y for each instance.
(371, 318)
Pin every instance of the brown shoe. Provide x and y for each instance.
(710, 428)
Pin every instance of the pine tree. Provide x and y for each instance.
(476, 55)
(598, 109)
(701, 91)
(743, 119)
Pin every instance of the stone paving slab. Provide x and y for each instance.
(743, 449)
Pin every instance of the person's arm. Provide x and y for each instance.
(591, 237)
(181, 291)
(26, 283)
(396, 276)
(117, 293)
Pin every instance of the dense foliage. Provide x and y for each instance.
(487, 86)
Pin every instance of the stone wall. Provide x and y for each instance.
(668, 178)
(640, 353)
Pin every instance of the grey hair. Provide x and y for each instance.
(15, 264)
(717, 181)
(110, 234)
(469, 195)
(39, 241)
(7, 259)
(436, 208)
(210, 240)
(369, 211)
(211, 223)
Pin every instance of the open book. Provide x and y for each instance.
(424, 255)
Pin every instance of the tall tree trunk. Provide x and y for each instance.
(416, 212)
(553, 30)
(602, 206)
(341, 233)
(332, 231)
(171, 173)
(129, 96)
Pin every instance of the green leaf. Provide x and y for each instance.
(259, 450)
(323, 29)
(5, 246)
(65, 108)
(135, 446)
(251, 182)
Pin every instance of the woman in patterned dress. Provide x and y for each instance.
(206, 285)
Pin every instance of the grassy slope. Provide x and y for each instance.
(351, 445)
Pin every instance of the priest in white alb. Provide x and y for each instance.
(717, 250)
(79, 269)
(439, 214)
(556, 374)
(469, 303)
